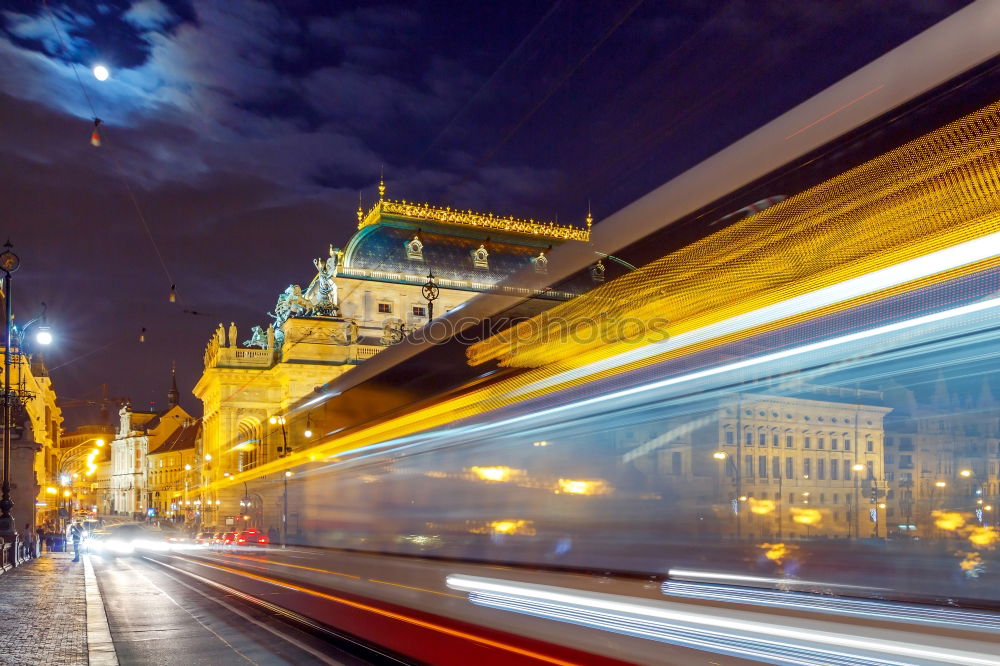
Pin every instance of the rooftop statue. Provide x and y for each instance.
(258, 338)
(291, 303)
(323, 292)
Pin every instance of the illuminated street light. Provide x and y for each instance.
(208, 457)
(719, 455)
(858, 467)
(187, 468)
(100, 442)
(940, 484)
(101, 73)
(966, 473)
(288, 473)
(308, 433)
(44, 336)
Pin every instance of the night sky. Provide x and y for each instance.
(245, 131)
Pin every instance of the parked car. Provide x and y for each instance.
(251, 538)
(204, 538)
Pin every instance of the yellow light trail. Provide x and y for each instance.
(933, 195)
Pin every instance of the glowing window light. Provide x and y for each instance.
(492, 473)
(583, 487)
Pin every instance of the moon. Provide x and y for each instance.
(101, 73)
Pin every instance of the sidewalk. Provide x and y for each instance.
(43, 612)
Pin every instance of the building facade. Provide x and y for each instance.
(361, 299)
(138, 434)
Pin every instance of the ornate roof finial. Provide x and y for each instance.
(590, 218)
(361, 213)
(381, 183)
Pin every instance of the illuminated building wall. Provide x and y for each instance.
(942, 454)
(138, 434)
(34, 438)
(796, 457)
(360, 300)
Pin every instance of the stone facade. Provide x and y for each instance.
(362, 299)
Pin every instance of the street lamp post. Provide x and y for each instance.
(285, 451)
(430, 292)
(858, 468)
(9, 263)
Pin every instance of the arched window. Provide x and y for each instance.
(249, 444)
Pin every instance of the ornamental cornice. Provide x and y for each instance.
(468, 218)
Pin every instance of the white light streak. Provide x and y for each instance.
(615, 612)
(902, 273)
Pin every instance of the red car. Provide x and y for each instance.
(251, 538)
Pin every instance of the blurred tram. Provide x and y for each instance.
(781, 399)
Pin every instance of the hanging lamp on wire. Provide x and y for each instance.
(95, 136)
(142, 335)
(173, 293)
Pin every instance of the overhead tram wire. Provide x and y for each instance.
(489, 81)
(490, 154)
(114, 157)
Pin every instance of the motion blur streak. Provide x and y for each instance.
(938, 263)
(394, 616)
(658, 621)
(930, 194)
(293, 566)
(684, 574)
(894, 612)
(924, 212)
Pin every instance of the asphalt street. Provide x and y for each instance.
(157, 616)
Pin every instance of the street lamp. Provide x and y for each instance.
(284, 451)
(9, 262)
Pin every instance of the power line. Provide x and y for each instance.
(114, 157)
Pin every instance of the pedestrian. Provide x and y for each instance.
(76, 533)
(40, 533)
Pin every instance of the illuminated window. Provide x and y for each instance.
(385, 308)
